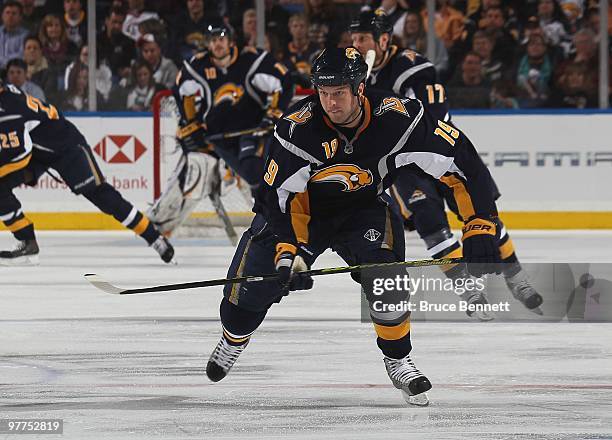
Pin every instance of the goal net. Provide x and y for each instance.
(235, 195)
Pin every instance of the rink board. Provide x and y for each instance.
(552, 169)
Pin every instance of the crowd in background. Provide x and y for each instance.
(489, 53)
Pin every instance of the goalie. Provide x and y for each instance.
(229, 101)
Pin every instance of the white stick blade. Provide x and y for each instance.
(104, 286)
(369, 59)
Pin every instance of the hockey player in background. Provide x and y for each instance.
(332, 157)
(221, 90)
(35, 136)
(421, 198)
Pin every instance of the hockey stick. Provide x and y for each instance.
(105, 286)
(369, 59)
(215, 199)
(258, 131)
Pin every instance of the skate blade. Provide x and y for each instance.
(537, 311)
(484, 316)
(173, 262)
(418, 400)
(28, 260)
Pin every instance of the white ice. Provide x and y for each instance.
(133, 367)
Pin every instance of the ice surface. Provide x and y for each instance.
(133, 367)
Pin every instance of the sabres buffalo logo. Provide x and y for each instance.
(228, 92)
(350, 176)
(351, 53)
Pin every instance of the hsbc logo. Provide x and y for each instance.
(120, 149)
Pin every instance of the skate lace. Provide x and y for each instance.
(160, 245)
(402, 370)
(225, 355)
(523, 289)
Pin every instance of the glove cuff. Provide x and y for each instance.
(284, 251)
(478, 226)
(188, 129)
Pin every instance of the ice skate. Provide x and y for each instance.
(522, 290)
(25, 253)
(223, 359)
(473, 297)
(407, 378)
(164, 249)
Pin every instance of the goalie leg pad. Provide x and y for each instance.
(193, 179)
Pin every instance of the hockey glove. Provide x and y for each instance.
(288, 264)
(191, 136)
(480, 247)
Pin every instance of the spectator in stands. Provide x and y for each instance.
(321, 27)
(505, 41)
(412, 36)
(136, 15)
(75, 22)
(468, 88)
(574, 90)
(55, 44)
(114, 48)
(38, 70)
(144, 89)
(187, 31)
(16, 75)
(32, 15)
(300, 50)
(492, 69)
(503, 95)
(164, 70)
(76, 97)
(534, 74)
(104, 76)
(585, 56)
(248, 33)
(12, 34)
(448, 23)
(393, 10)
(553, 21)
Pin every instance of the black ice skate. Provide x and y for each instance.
(522, 290)
(164, 249)
(407, 378)
(223, 359)
(25, 253)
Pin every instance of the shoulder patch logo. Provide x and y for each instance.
(351, 53)
(410, 54)
(350, 176)
(300, 117)
(228, 92)
(394, 104)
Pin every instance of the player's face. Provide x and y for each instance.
(338, 102)
(219, 46)
(363, 42)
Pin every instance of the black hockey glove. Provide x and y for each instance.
(191, 137)
(480, 247)
(288, 264)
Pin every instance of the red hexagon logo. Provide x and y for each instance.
(115, 148)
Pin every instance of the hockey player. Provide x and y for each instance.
(35, 136)
(217, 91)
(331, 159)
(421, 198)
